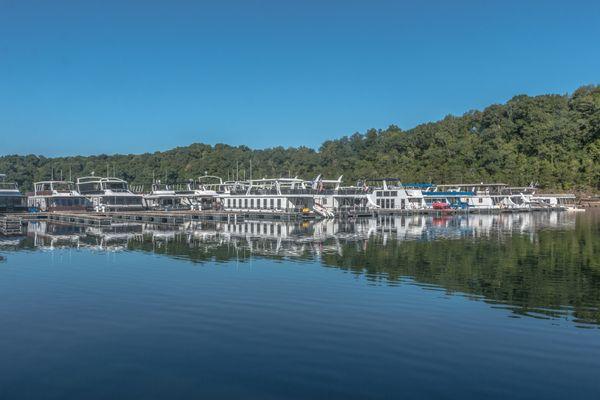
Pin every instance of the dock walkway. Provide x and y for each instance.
(10, 225)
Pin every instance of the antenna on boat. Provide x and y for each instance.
(250, 169)
(52, 174)
(70, 173)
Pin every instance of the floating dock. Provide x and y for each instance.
(10, 224)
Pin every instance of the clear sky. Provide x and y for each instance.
(88, 77)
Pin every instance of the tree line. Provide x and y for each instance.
(551, 140)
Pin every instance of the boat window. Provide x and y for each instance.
(278, 203)
(115, 185)
(394, 193)
(89, 187)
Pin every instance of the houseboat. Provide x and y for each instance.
(390, 194)
(564, 201)
(269, 196)
(476, 196)
(11, 199)
(436, 199)
(166, 197)
(109, 194)
(203, 193)
(57, 196)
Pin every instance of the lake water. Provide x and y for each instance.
(471, 307)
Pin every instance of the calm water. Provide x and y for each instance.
(412, 307)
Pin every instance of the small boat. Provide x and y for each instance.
(440, 205)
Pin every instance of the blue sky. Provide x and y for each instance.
(89, 77)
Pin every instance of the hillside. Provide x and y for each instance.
(553, 140)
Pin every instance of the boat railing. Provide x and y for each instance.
(352, 191)
(8, 186)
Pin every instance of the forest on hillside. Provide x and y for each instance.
(551, 140)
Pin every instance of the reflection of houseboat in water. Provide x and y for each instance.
(57, 196)
(298, 238)
(114, 234)
(11, 199)
(52, 235)
(109, 194)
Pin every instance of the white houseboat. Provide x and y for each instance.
(565, 201)
(203, 193)
(390, 194)
(476, 196)
(11, 199)
(269, 196)
(57, 196)
(166, 197)
(109, 194)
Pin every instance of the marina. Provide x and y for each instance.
(102, 201)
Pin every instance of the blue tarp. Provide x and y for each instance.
(417, 185)
(448, 194)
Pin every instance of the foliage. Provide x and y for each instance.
(553, 140)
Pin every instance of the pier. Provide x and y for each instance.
(10, 224)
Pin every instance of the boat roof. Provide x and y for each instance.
(561, 195)
(200, 178)
(448, 194)
(382, 179)
(471, 184)
(267, 180)
(40, 182)
(418, 185)
(84, 179)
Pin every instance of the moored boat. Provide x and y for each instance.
(11, 199)
(57, 196)
(109, 194)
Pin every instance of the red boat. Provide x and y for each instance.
(438, 205)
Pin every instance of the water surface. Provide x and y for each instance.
(481, 306)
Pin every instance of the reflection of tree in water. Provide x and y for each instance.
(541, 265)
(557, 271)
